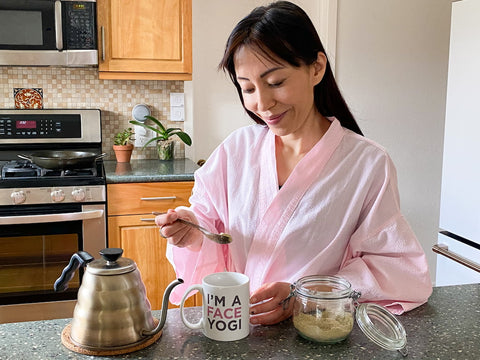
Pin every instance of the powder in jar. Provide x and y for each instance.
(326, 327)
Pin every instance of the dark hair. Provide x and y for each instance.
(284, 30)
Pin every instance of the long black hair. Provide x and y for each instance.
(284, 30)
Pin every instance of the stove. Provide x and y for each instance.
(25, 132)
(47, 213)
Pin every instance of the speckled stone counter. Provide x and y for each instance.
(149, 171)
(447, 327)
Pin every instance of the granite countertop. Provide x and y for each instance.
(149, 171)
(447, 327)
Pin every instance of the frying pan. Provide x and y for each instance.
(62, 159)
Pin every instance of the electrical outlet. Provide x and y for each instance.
(177, 113)
(142, 136)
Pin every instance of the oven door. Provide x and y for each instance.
(36, 244)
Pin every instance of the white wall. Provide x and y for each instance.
(213, 109)
(392, 63)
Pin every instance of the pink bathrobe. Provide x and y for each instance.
(337, 214)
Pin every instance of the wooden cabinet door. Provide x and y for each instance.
(142, 243)
(145, 39)
(144, 198)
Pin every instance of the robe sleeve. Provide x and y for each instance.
(384, 259)
(208, 200)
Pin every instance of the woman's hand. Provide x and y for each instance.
(266, 304)
(177, 233)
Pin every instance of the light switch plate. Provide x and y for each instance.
(177, 99)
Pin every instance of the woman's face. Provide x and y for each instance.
(277, 92)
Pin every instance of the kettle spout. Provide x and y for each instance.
(163, 318)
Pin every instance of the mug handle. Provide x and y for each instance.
(187, 323)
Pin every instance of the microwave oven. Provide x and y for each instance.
(48, 33)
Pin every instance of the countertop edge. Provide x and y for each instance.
(149, 170)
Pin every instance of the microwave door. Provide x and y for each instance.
(48, 33)
(28, 25)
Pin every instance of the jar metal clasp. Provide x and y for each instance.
(355, 295)
(286, 301)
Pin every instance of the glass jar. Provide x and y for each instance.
(324, 308)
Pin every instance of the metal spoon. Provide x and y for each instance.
(221, 238)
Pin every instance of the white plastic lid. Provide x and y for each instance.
(140, 111)
(381, 327)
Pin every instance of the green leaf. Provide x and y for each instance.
(154, 129)
(185, 138)
(157, 122)
(152, 140)
(173, 130)
(124, 137)
(163, 133)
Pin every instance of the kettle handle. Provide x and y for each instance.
(78, 259)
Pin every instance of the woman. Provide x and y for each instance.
(302, 192)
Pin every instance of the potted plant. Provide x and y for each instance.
(122, 145)
(164, 141)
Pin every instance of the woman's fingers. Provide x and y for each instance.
(177, 233)
(267, 304)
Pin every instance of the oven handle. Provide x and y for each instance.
(46, 218)
(443, 250)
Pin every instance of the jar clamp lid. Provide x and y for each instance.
(376, 322)
(381, 327)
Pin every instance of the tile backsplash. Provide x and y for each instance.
(80, 88)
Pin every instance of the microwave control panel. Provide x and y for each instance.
(79, 27)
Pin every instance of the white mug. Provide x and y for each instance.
(226, 306)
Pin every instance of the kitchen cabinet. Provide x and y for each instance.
(145, 39)
(129, 205)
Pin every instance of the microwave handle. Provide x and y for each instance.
(58, 25)
(45, 218)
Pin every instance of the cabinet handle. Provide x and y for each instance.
(102, 32)
(158, 198)
(147, 219)
(443, 250)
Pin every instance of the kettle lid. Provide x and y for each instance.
(111, 263)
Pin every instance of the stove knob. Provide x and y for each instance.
(18, 197)
(57, 195)
(78, 194)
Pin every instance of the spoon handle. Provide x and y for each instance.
(203, 230)
(218, 238)
(186, 222)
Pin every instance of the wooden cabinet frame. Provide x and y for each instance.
(145, 39)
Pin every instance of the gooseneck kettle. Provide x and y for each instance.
(112, 310)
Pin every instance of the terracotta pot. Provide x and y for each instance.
(165, 149)
(123, 153)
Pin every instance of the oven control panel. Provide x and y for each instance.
(51, 195)
(36, 126)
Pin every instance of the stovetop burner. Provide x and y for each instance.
(26, 169)
(20, 169)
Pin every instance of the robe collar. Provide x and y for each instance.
(276, 207)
